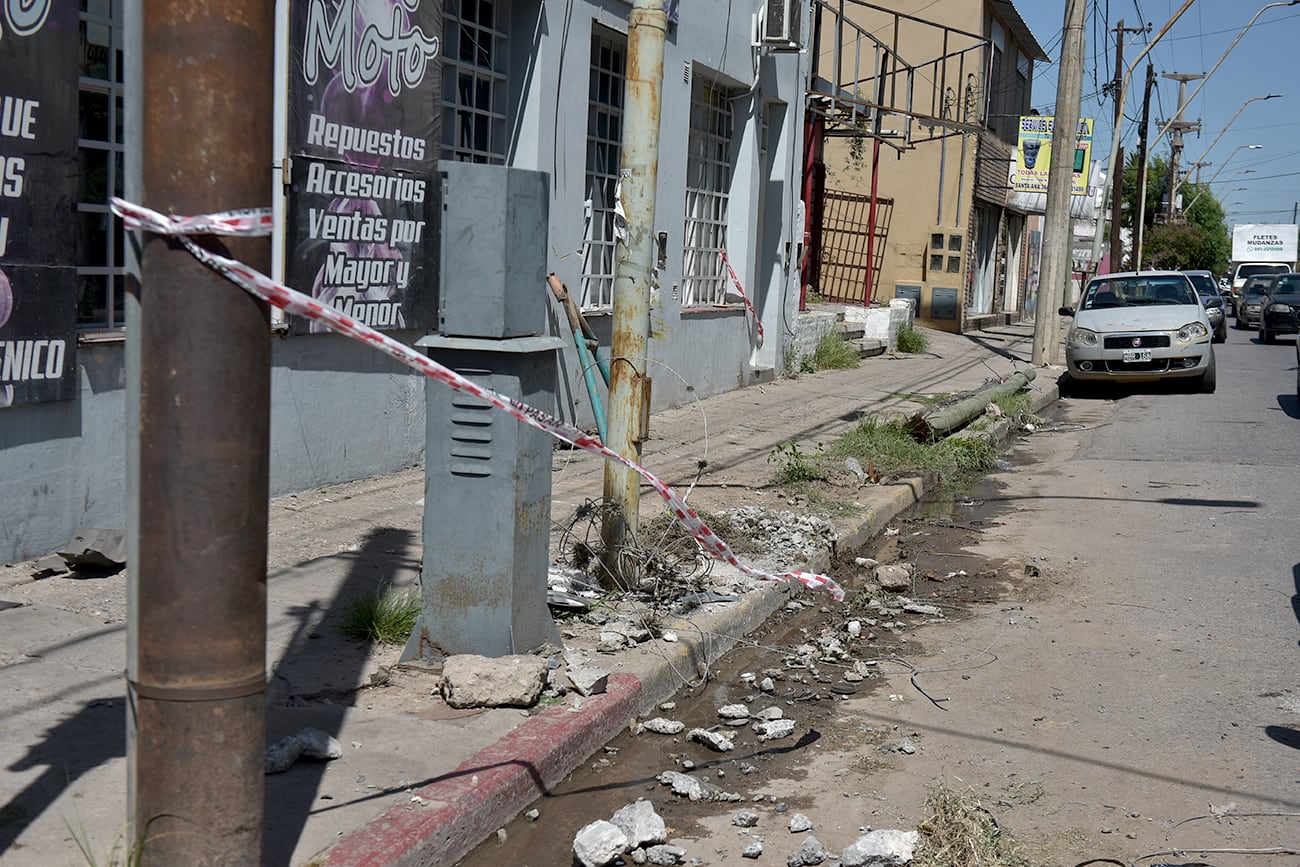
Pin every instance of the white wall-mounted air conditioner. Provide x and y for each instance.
(781, 24)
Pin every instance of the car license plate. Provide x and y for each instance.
(1137, 355)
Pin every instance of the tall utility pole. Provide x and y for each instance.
(1058, 241)
(1117, 182)
(198, 415)
(629, 386)
(1140, 215)
(1178, 127)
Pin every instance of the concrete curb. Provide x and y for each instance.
(460, 810)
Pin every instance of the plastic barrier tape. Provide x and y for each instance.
(258, 222)
(758, 323)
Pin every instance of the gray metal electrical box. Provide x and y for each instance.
(943, 303)
(494, 222)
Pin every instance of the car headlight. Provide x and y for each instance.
(1193, 331)
(1083, 337)
(1280, 309)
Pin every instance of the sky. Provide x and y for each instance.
(1254, 185)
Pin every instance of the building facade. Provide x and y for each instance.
(531, 84)
(921, 111)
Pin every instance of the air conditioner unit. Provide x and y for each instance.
(781, 20)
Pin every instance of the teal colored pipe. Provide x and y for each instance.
(585, 359)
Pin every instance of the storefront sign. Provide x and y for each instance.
(365, 99)
(39, 47)
(1034, 156)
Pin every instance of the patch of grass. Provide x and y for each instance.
(911, 340)
(835, 353)
(796, 465)
(1013, 405)
(893, 451)
(384, 616)
(960, 832)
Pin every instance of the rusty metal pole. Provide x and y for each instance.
(629, 386)
(199, 409)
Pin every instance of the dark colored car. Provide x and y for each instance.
(1212, 299)
(1281, 308)
(1251, 301)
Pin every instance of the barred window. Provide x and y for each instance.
(474, 65)
(604, 158)
(708, 182)
(101, 266)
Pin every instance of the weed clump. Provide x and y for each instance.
(384, 616)
(911, 341)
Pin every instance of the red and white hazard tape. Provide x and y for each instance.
(258, 222)
(758, 323)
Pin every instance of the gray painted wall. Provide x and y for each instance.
(341, 411)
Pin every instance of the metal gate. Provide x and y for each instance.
(845, 237)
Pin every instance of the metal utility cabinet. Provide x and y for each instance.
(487, 508)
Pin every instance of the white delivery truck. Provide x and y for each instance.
(1262, 248)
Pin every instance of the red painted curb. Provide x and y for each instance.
(489, 789)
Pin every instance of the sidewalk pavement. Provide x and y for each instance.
(419, 782)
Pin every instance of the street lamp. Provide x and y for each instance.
(1188, 207)
(1231, 155)
(1142, 199)
(1230, 122)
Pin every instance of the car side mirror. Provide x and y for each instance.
(1214, 302)
(1066, 311)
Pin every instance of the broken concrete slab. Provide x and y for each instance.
(477, 681)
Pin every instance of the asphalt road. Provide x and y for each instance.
(1136, 701)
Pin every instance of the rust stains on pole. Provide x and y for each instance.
(199, 408)
(628, 383)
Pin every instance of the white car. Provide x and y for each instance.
(1140, 327)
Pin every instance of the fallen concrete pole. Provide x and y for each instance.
(938, 422)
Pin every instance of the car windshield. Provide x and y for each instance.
(1137, 292)
(1204, 284)
(1256, 270)
(1257, 286)
(1289, 285)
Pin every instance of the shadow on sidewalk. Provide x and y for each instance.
(313, 682)
(75, 746)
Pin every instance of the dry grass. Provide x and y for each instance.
(960, 832)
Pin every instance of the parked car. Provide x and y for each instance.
(1213, 301)
(1252, 300)
(1281, 308)
(1140, 327)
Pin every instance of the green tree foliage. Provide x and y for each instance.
(1202, 242)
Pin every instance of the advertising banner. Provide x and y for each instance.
(1265, 242)
(38, 190)
(365, 105)
(1034, 156)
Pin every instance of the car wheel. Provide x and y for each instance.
(1209, 378)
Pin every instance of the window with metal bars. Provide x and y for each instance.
(474, 66)
(604, 157)
(708, 184)
(101, 266)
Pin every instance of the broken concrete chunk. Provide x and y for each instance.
(753, 850)
(599, 844)
(927, 610)
(641, 824)
(588, 679)
(310, 742)
(476, 681)
(661, 726)
(665, 856)
(719, 742)
(733, 711)
(94, 549)
(770, 713)
(772, 729)
(766, 685)
(812, 852)
(694, 789)
(894, 578)
(800, 823)
(745, 819)
(883, 848)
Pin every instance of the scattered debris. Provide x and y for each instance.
(310, 742)
(695, 789)
(476, 681)
(95, 550)
(733, 711)
(753, 850)
(599, 844)
(895, 577)
(770, 730)
(640, 824)
(812, 852)
(745, 819)
(800, 823)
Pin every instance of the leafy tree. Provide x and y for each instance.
(1202, 242)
